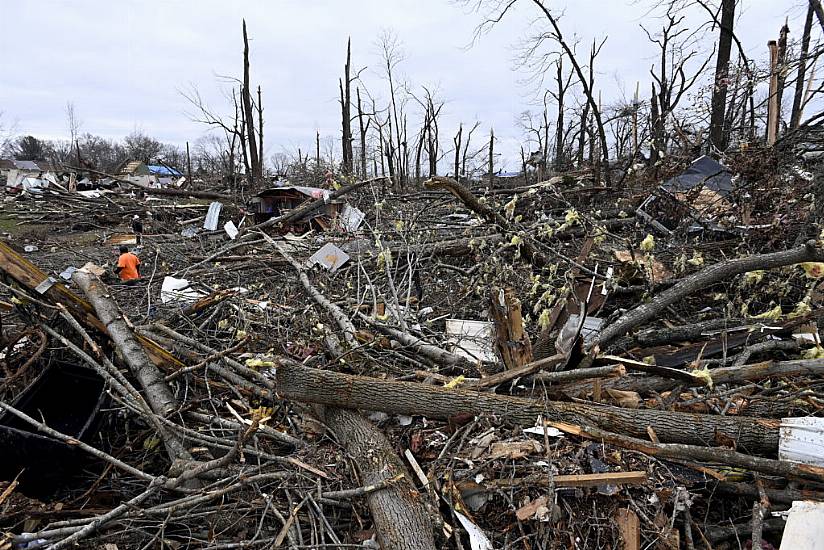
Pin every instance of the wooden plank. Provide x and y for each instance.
(629, 529)
(607, 478)
(572, 480)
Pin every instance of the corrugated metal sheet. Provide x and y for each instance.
(159, 170)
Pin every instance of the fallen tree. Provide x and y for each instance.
(722, 375)
(398, 510)
(809, 252)
(157, 393)
(309, 385)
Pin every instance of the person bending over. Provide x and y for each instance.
(128, 265)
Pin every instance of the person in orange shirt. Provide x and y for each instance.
(128, 265)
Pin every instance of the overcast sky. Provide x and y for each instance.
(122, 63)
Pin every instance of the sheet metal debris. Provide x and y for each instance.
(212, 216)
(471, 339)
(330, 257)
(802, 440)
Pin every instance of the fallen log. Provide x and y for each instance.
(308, 385)
(398, 510)
(570, 480)
(809, 252)
(158, 394)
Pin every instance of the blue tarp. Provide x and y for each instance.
(158, 170)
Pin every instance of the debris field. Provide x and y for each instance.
(483, 364)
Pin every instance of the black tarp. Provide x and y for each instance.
(704, 171)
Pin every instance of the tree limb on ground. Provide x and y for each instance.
(157, 392)
(809, 252)
(309, 385)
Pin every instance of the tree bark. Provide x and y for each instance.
(457, 173)
(346, 108)
(819, 12)
(398, 511)
(773, 106)
(259, 173)
(722, 64)
(491, 168)
(362, 129)
(157, 392)
(645, 384)
(783, 468)
(559, 126)
(704, 278)
(308, 385)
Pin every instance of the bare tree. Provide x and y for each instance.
(491, 158)
(670, 82)
(585, 131)
(797, 109)
(7, 131)
(391, 55)
(74, 124)
(231, 127)
(718, 137)
(563, 86)
(256, 169)
(346, 108)
(363, 128)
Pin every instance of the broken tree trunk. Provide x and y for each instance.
(773, 106)
(491, 216)
(398, 510)
(359, 392)
(157, 392)
(703, 279)
(724, 375)
(511, 341)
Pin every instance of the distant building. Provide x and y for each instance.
(148, 175)
(27, 175)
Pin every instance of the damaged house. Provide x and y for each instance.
(27, 175)
(148, 175)
(277, 201)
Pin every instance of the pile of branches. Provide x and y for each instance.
(290, 405)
